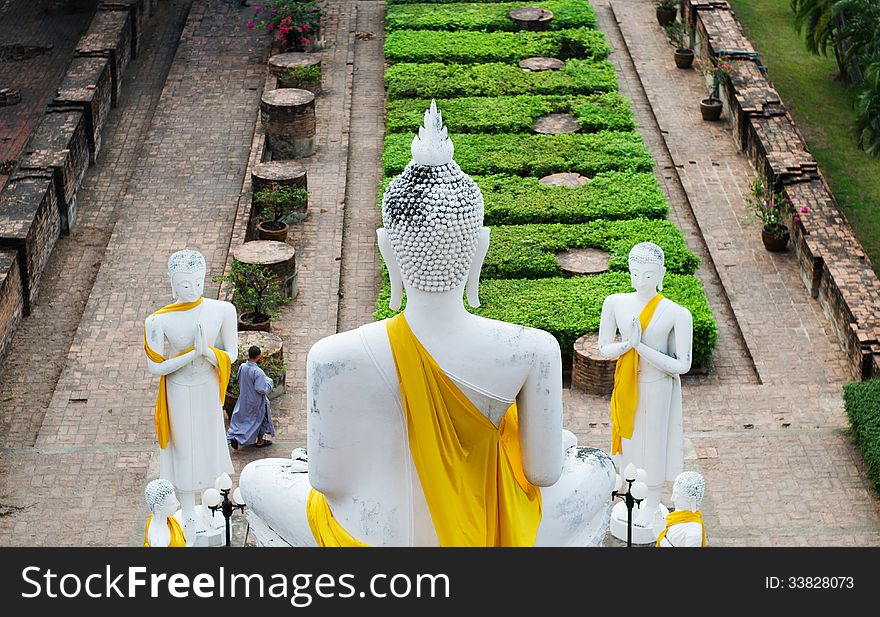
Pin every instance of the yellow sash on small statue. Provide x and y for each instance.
(471, 472)
(224, 368)
(177, 537)
(682, 516)
(625, 396)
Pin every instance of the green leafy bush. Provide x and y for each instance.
(570, 307)
(474, 47)
(861, 400)
(613, 195)
(484, 16)
(533, 155)
(529, 251)
(512, 114)
(438, 80)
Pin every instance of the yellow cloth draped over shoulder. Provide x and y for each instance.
(682, 516)
(224, 369)
(471, 472)
(177, 537)
(625, 396)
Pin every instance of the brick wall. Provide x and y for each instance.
(833, 264)
(136, 10)
(109, 36)
(86, 86)
(11, 297)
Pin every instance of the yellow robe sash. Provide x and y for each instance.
(471, 472)
(224, 369)
(625, 396)
(682, 516)
(177, 537)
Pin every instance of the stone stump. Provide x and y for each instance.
(109, 36)
(556, 124)
(86, 86)
(297, 70)
(583, 262)
(271, 345)
(541, 63)
(288, 118)
(532, 18)
(590, 371)
(278, 257)
(566, 179)
(283, 172)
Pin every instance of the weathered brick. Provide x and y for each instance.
(60, 144)
(87, 86)
(11, 297)
(109, 36)
(30, 223)
(136, 10)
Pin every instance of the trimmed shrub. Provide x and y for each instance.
(443, 81)
(485, 16)
(529, 251)
(613, 195)
(513, 114)
(533, 155)
(570, 307)
(474, 47)
(861, 400)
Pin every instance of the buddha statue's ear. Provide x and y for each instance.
(173, 291)
(393, 269)
(472, 289)
(662, 276)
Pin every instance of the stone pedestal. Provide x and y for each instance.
(295, 70)
(590, 371)
(285, 173)
(618, 526)
(86, 86)
(531, 18)
(583, 262)
(278, 257)
(59, 145)
(540, 63)
(566, 179)
(288, 117)
(556, 124)
(109, 36)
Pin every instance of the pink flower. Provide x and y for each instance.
(306, 27)
(305, 40)
(270, 26)
(797, 219)
(274, 11)
(299, 29)
(805, 209)
(250, 25)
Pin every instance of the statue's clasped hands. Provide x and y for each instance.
(635, 333)
(201, 344)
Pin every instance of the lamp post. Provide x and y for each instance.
(636, 491)
(217, 498)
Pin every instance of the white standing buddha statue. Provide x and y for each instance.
(684, 527)
(191, 345)
(435, 427)
(646, 408)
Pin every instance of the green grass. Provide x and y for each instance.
(821, 105)
(862, 402)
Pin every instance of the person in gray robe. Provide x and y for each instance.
(251, 419)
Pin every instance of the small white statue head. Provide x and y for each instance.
(161, 498)
(688, 490)
(186, 270)
(432, 215)
(646, 267)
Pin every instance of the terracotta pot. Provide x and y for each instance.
(267, 233)
(246, 324)
(711, 108)
(684, 58)
(775, 242)
(229, 403)
(666, 16)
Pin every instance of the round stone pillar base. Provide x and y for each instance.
(278, 257)
(590, 371)
(288, 118)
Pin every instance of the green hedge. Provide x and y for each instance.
(571, 307)
(443, 81)
(486, 17)
(474, 47)
(862, 402)
(529, 251)
(513, 114)
(533, 155)
(612, 195)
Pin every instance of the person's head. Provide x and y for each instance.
(160, 497)
(688, 490)
(186, 270)
(254, 353)
(646, 267)
(433, 239)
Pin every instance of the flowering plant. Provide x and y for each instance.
(293, 24)
(718, 70)
(770, 208)
(273, 367)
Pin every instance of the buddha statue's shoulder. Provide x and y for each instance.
(519, 338)
(220, 306)
(348, 348)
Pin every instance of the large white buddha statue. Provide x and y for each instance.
(646, 410)
(435, 427)
(191, 345)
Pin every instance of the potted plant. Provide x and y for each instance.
(302, 77)
(666, 11)
(678, 36)
(256, 294)
(770, 208)
(275, 206)
(294, 24)
(711, 107)
(275, 369)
